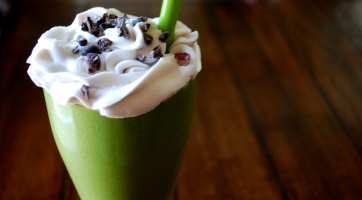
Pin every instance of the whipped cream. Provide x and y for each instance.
(123, 86)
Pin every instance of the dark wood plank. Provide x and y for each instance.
(311, 150)
(333, 57)
(277, 113)
(222, 144)
(31, 167)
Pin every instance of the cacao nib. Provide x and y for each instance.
(147, 38)
(85, 89)
(89, 66)
(120, 21)
(99, 20)
(88, 25)
(75, 50)
(104, 26)
(84, 26)
(112, 16)
(105, 18)
(82, 41)
(123, 32)
(113, 22)
(91, 63)
(157, 51)
(141, 58)
(125, 17)
(95, 58)
(138, 20)
(145, 27)
(183, 59)
(90, 49)
(163, 37)
(101, 48)
(153, 57)
(104, 42)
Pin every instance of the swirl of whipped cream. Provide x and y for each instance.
(123, 86)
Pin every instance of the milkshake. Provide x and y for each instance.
(119, 105)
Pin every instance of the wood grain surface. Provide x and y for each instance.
(278, 111)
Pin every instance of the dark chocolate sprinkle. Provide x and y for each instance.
(90, 49)
(144, 19)
(156, 52)
(163, 37)
(84, 26)
(89, 66)
(91, 63)
(145, 27)
(82, 41)
(153, 57)
(85, 89)
(104, 42)
(183, 59)
(105, 26)
(75, 50)
(112, 16)
(125, 17)
(147, 38)
(142, 58)
(105, 18)
(123, 32)
(138, 20)
(101, 48)
(88, 25)
(95, 58)
(99, 20)
(120, 21)
(113, 22)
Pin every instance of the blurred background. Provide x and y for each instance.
(278, 112)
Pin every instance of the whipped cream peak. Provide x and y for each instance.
(112, 62)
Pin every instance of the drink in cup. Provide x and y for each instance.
(119, 105)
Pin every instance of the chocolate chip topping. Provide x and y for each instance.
(138, 20)
(85, 89)
(82, 41)
(105, 26)
(84, 26)
(99, 20)
(91, 63)
(163, 37)
(183, 59)
(152, 58)
(148, 38)
(104, 42)
(88, 25)
(75, 50)
(142, 58)
(89, 66)
(156, 52)
(145, 27)
(90, 49)
(100, 48)
(108, 21)
(123, 32)
(112, 16)
(125, 17)
(95, 58)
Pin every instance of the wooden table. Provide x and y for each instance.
(278, 112)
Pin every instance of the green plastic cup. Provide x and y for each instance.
(135, 158)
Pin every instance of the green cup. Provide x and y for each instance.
(136, 158)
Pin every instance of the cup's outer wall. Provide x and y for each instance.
(132, 158)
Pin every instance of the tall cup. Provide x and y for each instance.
(136, 158)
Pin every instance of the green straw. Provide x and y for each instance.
(168, 18)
